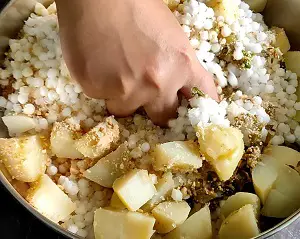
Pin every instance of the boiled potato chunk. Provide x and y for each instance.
(279, 205)
(287, 182)
(283, 154)
(108, 169)
(115, 202)
(229, 9)
(239, 200)
(5, 172)
(62, 139)
(169, 215)
(98, 141)
(116, 224)
(134, 189)
(241, 224)
(256, 5)
(274, 174)
(282, 42)
(49, 200)
(223, 148)
(264, 176)
(17, 124)
(24, 157)
(292, 59)
(196, 226)
(178, 155)
(164, 188)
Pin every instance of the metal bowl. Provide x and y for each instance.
(11, 21)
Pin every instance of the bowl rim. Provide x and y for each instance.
(8, 186)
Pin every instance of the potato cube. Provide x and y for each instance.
(169, 215)
(50, 200)
(108, 169)
(116, 224)
(134, 189)
(196, 226)
(287, 182)
(178, 155)
(24, 157)
(18, 124)
(62, 139)
(291, 59)
(283, 154)
(223, 148)
(115, 202)
(5, 172)
(239, 200)
(241, 224)
(274, 174)
(264, 176)
(282, 42)
(99, 140)
(164, 188)
(279, 205)
(229, 9)
(256, 5)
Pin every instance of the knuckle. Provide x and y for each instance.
(185, 56)
(154, 75)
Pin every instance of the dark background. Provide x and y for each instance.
(15, 221)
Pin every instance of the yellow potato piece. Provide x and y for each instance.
(63, 136)
(283, 154)
(109, 168)
(271, 173)
(226, 8)
(115, 202)
(164, 188)
(98, 141)
(223, 148)
(279, 205)
(169, 215)
(241, 224)
(256, 5)
(134, 189)
(287, 182)
(178, 155)
(239, 200)
(17, 124)
(292, 59)
(116, 224)
(264, 176)
(50, 200)
(282, 41)
(24, 157)
(196, 226)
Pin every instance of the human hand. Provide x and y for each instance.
(132, 53)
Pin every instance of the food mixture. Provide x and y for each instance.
(219, 169)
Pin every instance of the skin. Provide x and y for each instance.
(132, 53)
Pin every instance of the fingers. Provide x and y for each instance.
(203, 80)
(122, 108)
(162, 108)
